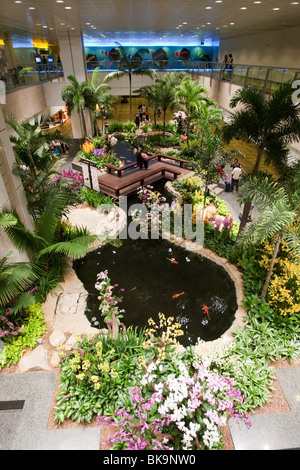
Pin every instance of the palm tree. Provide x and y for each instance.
(14, 279)
(130, 66)
(79, 97)
(47, 247)
(149, 92)
(210, 155)
(190, 97)
(29, 143)
(279, 219)
(165, 91)
(104, 101)
(271, 124)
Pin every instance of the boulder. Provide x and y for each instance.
(57, 338)
(36, 360)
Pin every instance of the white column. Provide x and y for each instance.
(12, 193)
(74, 63)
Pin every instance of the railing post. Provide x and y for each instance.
(266, 81)
(246, 77)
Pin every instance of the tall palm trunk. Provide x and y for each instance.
(164, 122)
(267, 281)
(247, 206)
(130, 102)
(83, 124)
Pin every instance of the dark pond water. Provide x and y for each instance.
(143, 268)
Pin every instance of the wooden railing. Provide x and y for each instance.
(158, 156)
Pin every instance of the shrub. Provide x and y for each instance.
(31, 329)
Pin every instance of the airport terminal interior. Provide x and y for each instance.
(149, 226)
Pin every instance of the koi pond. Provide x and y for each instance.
(154, 283)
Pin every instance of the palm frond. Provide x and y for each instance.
(75, 248)
(114, 75)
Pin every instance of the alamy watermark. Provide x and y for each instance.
(296, 94)
(157, 220)
(2, 92)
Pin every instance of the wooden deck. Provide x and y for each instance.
(125, 180)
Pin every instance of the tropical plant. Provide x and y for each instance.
(46, 247)
(79, 97)
(279, 220)
(162, 93)
(130, 66)
(271, 123)
(30, 144)
(104, 101)
(191, 97)
(15, 278)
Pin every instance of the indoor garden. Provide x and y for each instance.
(145, 373)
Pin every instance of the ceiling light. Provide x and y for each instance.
(275, 9)
(256, 2)
(295, 3)
(68, 8)
(59, 1)
(208, 23)
(243, 8)
(219, 1)
(232, 23)
(18, 1)
(208, 8)
(31, 8)
(87, 23)
(184, 22)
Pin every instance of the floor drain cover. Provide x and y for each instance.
(11, 405)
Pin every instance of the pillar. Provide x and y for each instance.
(73, 61)
(12, 193)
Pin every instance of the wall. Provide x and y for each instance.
(274, 48)
(25, 102)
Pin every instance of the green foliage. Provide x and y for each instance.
(101, 380)
(33, 328)
(115, 127)
(94, 198)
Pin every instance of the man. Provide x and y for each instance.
(235, 177)
(141, 161)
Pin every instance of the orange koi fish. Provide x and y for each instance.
(172, 260)
(177, 295)
(206, 310)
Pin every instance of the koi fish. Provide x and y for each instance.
(206, 310)
(173, 260)
(177, 295)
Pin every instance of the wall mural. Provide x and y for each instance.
(159, 56)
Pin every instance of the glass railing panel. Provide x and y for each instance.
(31, 74)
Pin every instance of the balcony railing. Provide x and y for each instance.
(30, 74)
(263, 77)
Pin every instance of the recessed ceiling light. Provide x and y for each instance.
(59, 1)
(31, 8)
(208, 8)
(275, 9)
(45, 26)
(243, 8)
(208, 23)
(295, 3)
(88, 23)
(257, 2)
(184, 22)
(68, 8)
(18, 1)
(219, 1)
(232, 23)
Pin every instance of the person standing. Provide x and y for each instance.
(141, 161)
(137, 120)
(235, 177)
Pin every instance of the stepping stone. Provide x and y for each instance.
(289, 380)
(278, 431)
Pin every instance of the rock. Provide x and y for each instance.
(67, 303)
(57, 338)
(55, 360)
(36, 360)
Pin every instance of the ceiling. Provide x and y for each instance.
(145, 22)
